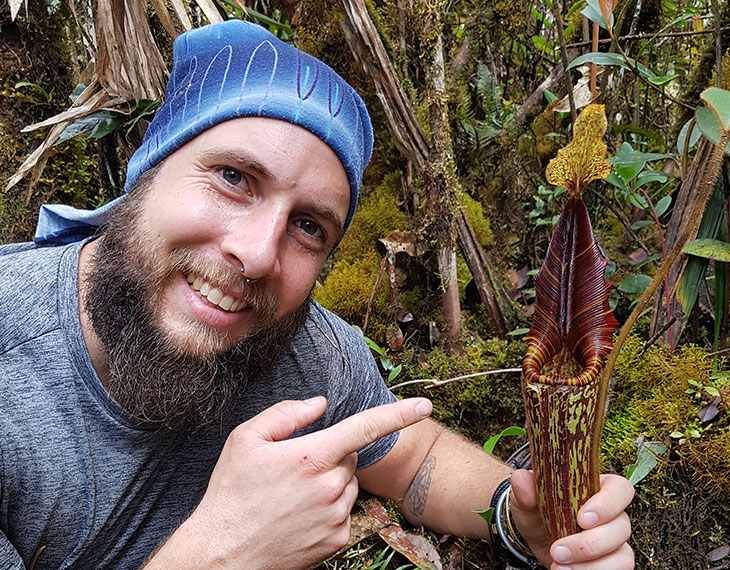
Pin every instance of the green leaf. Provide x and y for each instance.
(719, 102)
(518, 332)
(646, 460)
(608, 59)
(635, 283)
(646, 177)
(676, 434)
(641, 224)
(491, 443)
(486, 514)
(549, 96)
(395, 372)
(661, 79)
(693, 137)
(709, 249)
(593, 12)
(710, 125)
(662, 205)
(712, 391)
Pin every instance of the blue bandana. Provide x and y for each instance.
(229, 70)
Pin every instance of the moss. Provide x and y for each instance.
(479, 222)
(348, 286)
(377, 215)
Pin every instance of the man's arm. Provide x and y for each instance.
(441, 479)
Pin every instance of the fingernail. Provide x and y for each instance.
(423, 408)
(589, 519)
(313, 401)
(563, 568)
(562, 554)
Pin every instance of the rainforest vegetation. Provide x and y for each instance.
(470, 100)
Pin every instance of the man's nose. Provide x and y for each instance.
(254, 241)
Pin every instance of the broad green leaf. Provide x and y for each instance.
(709, 123)
(712, 391)
(634, 283)
(646, 460)
(615, 180)
(709, 249)
(693, 137)
(719, 102)
(592, 11)
(627, 155)
(491, 443)
(662, 205)
(584, 159)
(676, 434)
(641, 224)
(638, 200)
(608, 59)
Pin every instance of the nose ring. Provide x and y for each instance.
(243, 273)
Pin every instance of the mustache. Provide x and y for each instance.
(224, 277)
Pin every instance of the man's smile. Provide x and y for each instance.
(214, 295)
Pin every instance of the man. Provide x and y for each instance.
(153, 376)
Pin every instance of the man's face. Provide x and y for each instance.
(183, 330)
(256, 193)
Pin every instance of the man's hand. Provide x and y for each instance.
(274, 503)
(600, 546)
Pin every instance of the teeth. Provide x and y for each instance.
(214, 295)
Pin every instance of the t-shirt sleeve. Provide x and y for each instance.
(9, 557)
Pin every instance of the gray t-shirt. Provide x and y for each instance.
(95, 486)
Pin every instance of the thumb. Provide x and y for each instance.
(284, 418)
(524, 492)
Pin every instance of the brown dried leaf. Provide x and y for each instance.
(718, 553)
(710, 411)
(582, 95)
(399, 241)
(394, 337)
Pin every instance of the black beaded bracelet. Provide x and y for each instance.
(499, 500)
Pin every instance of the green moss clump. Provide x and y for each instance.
(377, 215)
(479, 222)
(654, 400)
(348, 286)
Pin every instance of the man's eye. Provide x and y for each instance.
(232, 176)
(309, 226)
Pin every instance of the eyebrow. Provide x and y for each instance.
(245, 160)
(241, 159)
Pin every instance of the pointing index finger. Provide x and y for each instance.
(362, 429)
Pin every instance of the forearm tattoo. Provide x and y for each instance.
(418, 491)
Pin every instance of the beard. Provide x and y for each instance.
(153, 376)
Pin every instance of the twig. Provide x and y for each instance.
(718, 42)
(558, 15)
(620, 218)
(664, 258)
(436, 382)
(633, 37)
(723, 351)
(372, 294)
(656, 336)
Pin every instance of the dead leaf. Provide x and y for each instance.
(394, 337)
(582, 95)
(636, 256)
(718, 553)
(398, 241)
(710, 411)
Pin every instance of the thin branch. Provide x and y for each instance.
(718, 42)
(436, 382)
(372, 293)
(635, 37)
(656, 336)
(558, 15)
